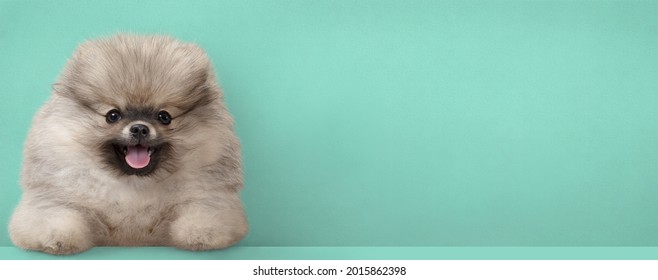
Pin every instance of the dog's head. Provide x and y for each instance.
(141, 102)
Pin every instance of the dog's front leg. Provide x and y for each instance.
(209, 223)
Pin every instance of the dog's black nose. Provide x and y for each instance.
(139, 131)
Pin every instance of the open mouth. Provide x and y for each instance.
(137, 159)
(137, 156)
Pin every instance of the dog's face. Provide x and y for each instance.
(140, 102)
(136, 140)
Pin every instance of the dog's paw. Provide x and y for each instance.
(64, 247)
(55, 241)
(203, 239)
(55, 232)
(199, 237)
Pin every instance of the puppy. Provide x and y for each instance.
(135, 147)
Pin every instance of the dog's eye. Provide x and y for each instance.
(112, 116)
(164, 117)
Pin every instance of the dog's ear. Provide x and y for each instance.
(61, 89)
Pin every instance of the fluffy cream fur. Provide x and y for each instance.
(75, 197)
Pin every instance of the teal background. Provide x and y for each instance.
(351, 253)
(397, 123)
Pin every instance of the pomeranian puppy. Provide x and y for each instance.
(135, 147)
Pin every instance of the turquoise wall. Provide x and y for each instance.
(398, 123)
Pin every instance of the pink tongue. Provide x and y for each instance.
(137, 157)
